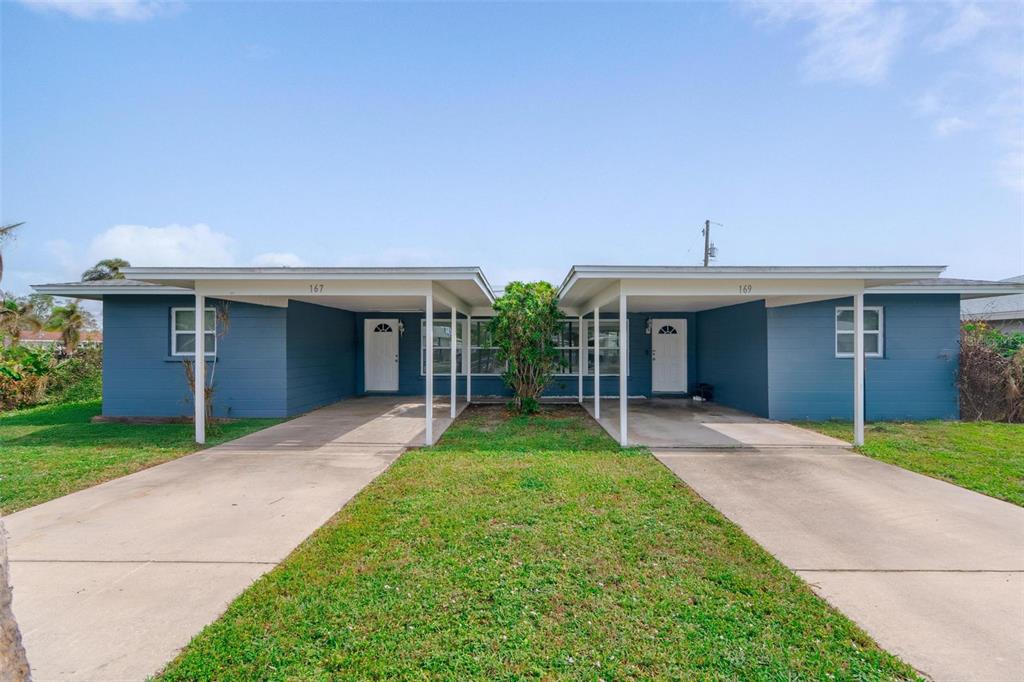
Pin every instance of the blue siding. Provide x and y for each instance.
(731, 355)
(141, 378)
(914, 380)
(321, 353)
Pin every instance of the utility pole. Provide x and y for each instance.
(707, 242)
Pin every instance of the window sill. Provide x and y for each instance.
(182, 358)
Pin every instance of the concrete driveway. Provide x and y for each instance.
(934, 572)
(111, 582)
(684, 423)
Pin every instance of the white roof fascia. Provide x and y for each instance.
(96, 292)
(966, 290)
(895, 272)
(179, 274)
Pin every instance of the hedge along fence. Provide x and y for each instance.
(991, 374)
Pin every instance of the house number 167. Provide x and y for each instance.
(316, 288)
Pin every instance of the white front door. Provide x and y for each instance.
(380, 352)
(668, 356)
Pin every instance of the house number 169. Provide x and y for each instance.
(745, 288)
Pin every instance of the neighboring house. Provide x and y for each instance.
(1002, 312)
(774, 341)
(47, 339)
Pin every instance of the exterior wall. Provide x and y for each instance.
(914, 380)
(321, 356)
(778, 362)
(412, 382)
(732, 355)
(142, 378)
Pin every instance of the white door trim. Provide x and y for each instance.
(661, 381)
(380, 354)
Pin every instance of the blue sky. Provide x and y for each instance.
(519, 137)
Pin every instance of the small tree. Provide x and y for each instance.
(18, 315)
(524, 329)
(108, 268)
(222, 324)
(69, 319)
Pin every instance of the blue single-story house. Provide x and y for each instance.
(778, 342)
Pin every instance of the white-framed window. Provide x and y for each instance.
(874, 325)
(609, 348)
(567, 343)
(183, 331)
(484, 354)
(442, 344)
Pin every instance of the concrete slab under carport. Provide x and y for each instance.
(685, 423)
(933, 572)
(112, 581)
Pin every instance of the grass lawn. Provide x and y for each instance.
(984, 456)
(53, 450)
(530, 548)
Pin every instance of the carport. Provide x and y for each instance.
(735, 301)
(379, 296)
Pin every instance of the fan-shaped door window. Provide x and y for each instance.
(383, 328)
(667, 329)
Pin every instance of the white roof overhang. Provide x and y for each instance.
(686, 288)
(357, 289)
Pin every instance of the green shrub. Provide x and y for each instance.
(24, 372)
(1001, 342)
(524, 329)
(80, 377)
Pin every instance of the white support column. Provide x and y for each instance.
(455, 367)
(623, 371)
(858, 369)
(597, 362)
(581, 368)
(428, 404)
(467, 356)
(199, 371)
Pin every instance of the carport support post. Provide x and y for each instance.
(199, 371)
(454, 349)
(467, 354)
(623, 370)
(428, 404)
(858, 369)
(581, 361)
(597, 362)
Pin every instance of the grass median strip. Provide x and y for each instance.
(530, 547)
(987, 457)
(53, 450)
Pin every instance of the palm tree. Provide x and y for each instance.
(108, 268)
(6, 231)
(18, 315)
(69, 319)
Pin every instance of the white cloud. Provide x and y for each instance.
(948, 125)
(968, 22)
(110, 10)
(854, 41)
(276, 258)
(164, 246)
(978, 87)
